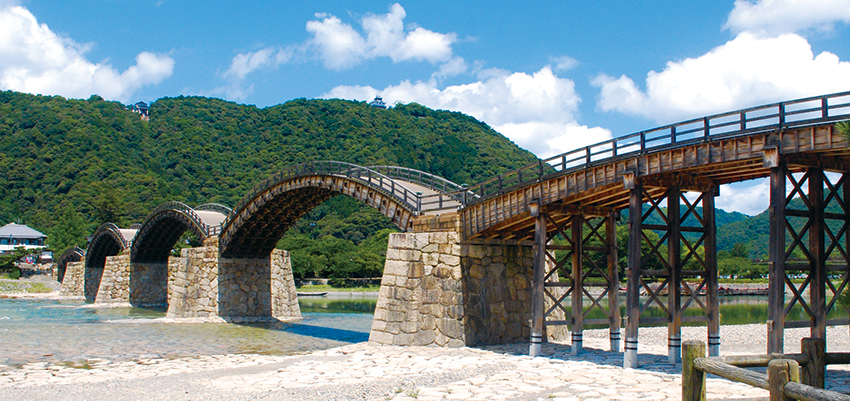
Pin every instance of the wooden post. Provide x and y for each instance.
(674, 285)
(814, 372)
(634, 270)
(776, 267)
(712, 296)
(614, 284)
(693, 380)
(537, 295)
(780, 372)
(577, 223)
(817, 290)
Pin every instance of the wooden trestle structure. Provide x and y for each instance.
(667, 180)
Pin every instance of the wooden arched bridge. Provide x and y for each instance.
(476, 263)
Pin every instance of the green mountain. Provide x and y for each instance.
(755, 231)
(91, 161)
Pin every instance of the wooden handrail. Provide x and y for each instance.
(766, 118)
(782, 378)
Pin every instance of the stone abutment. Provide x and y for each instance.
(438, 290)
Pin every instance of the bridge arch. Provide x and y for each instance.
(108, 240)
(264, 215)
(73, 254)
(167, 222)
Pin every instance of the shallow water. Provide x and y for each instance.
(64, 331)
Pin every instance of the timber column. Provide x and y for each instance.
(633, 272)
(776, 252)
(537, 281)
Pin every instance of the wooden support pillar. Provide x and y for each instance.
(817, 285)
(693, 379)
(577, 223)
(614, 284)
(712, 296)
(674, 285)
(779, 373)
(634, 272)
(776, 255)
(538, 308)
(814, 372)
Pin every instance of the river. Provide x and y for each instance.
(69, 331)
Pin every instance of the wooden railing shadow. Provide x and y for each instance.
(789, 376)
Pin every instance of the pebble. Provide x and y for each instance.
(380, 372)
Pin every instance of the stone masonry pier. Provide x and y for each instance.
(438, 290)
(198, 284)
(73, 284)
(204, 285)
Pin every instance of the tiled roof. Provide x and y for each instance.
(19, 231)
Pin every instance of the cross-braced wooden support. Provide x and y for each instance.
(808, 238)
(583, 251)
(688, 233)
(578, 271)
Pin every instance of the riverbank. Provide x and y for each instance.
(372, 372)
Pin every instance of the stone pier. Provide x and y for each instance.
(114, 280)
(73, 285)
(438, 290)
(203, 285)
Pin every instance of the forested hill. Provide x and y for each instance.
(90, 161)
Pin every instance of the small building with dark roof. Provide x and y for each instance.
(14, 235)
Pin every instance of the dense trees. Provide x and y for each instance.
(70, 165)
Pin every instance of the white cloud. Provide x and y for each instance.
(34, 59)
(746, 71)
(564, 63)
(536, 111)
(785, 16)
(750, 198)
(340, 46)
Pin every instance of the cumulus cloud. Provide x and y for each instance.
(537, 111)
(748, 70)
(775, 17)
(34, 59)
(340, 46)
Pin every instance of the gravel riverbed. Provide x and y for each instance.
(364, 371)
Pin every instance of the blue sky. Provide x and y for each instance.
(550, 75)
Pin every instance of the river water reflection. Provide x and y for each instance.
(60, 331)
(64, 331)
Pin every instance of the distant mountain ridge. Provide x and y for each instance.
(102, 161)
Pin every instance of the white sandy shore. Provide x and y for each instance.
(367, 371)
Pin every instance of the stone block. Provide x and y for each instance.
(415, 270)
(424, 337)
(427, 322)
(451, 328)
(439, 238)
(450, 260)
(431, 258)
(401, 241)
(395, 268)
(403, 339)
(381, 337)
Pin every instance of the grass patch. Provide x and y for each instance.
(18, 287)
(85, 365)
(323, 288)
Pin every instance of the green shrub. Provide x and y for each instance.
(15, 273)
